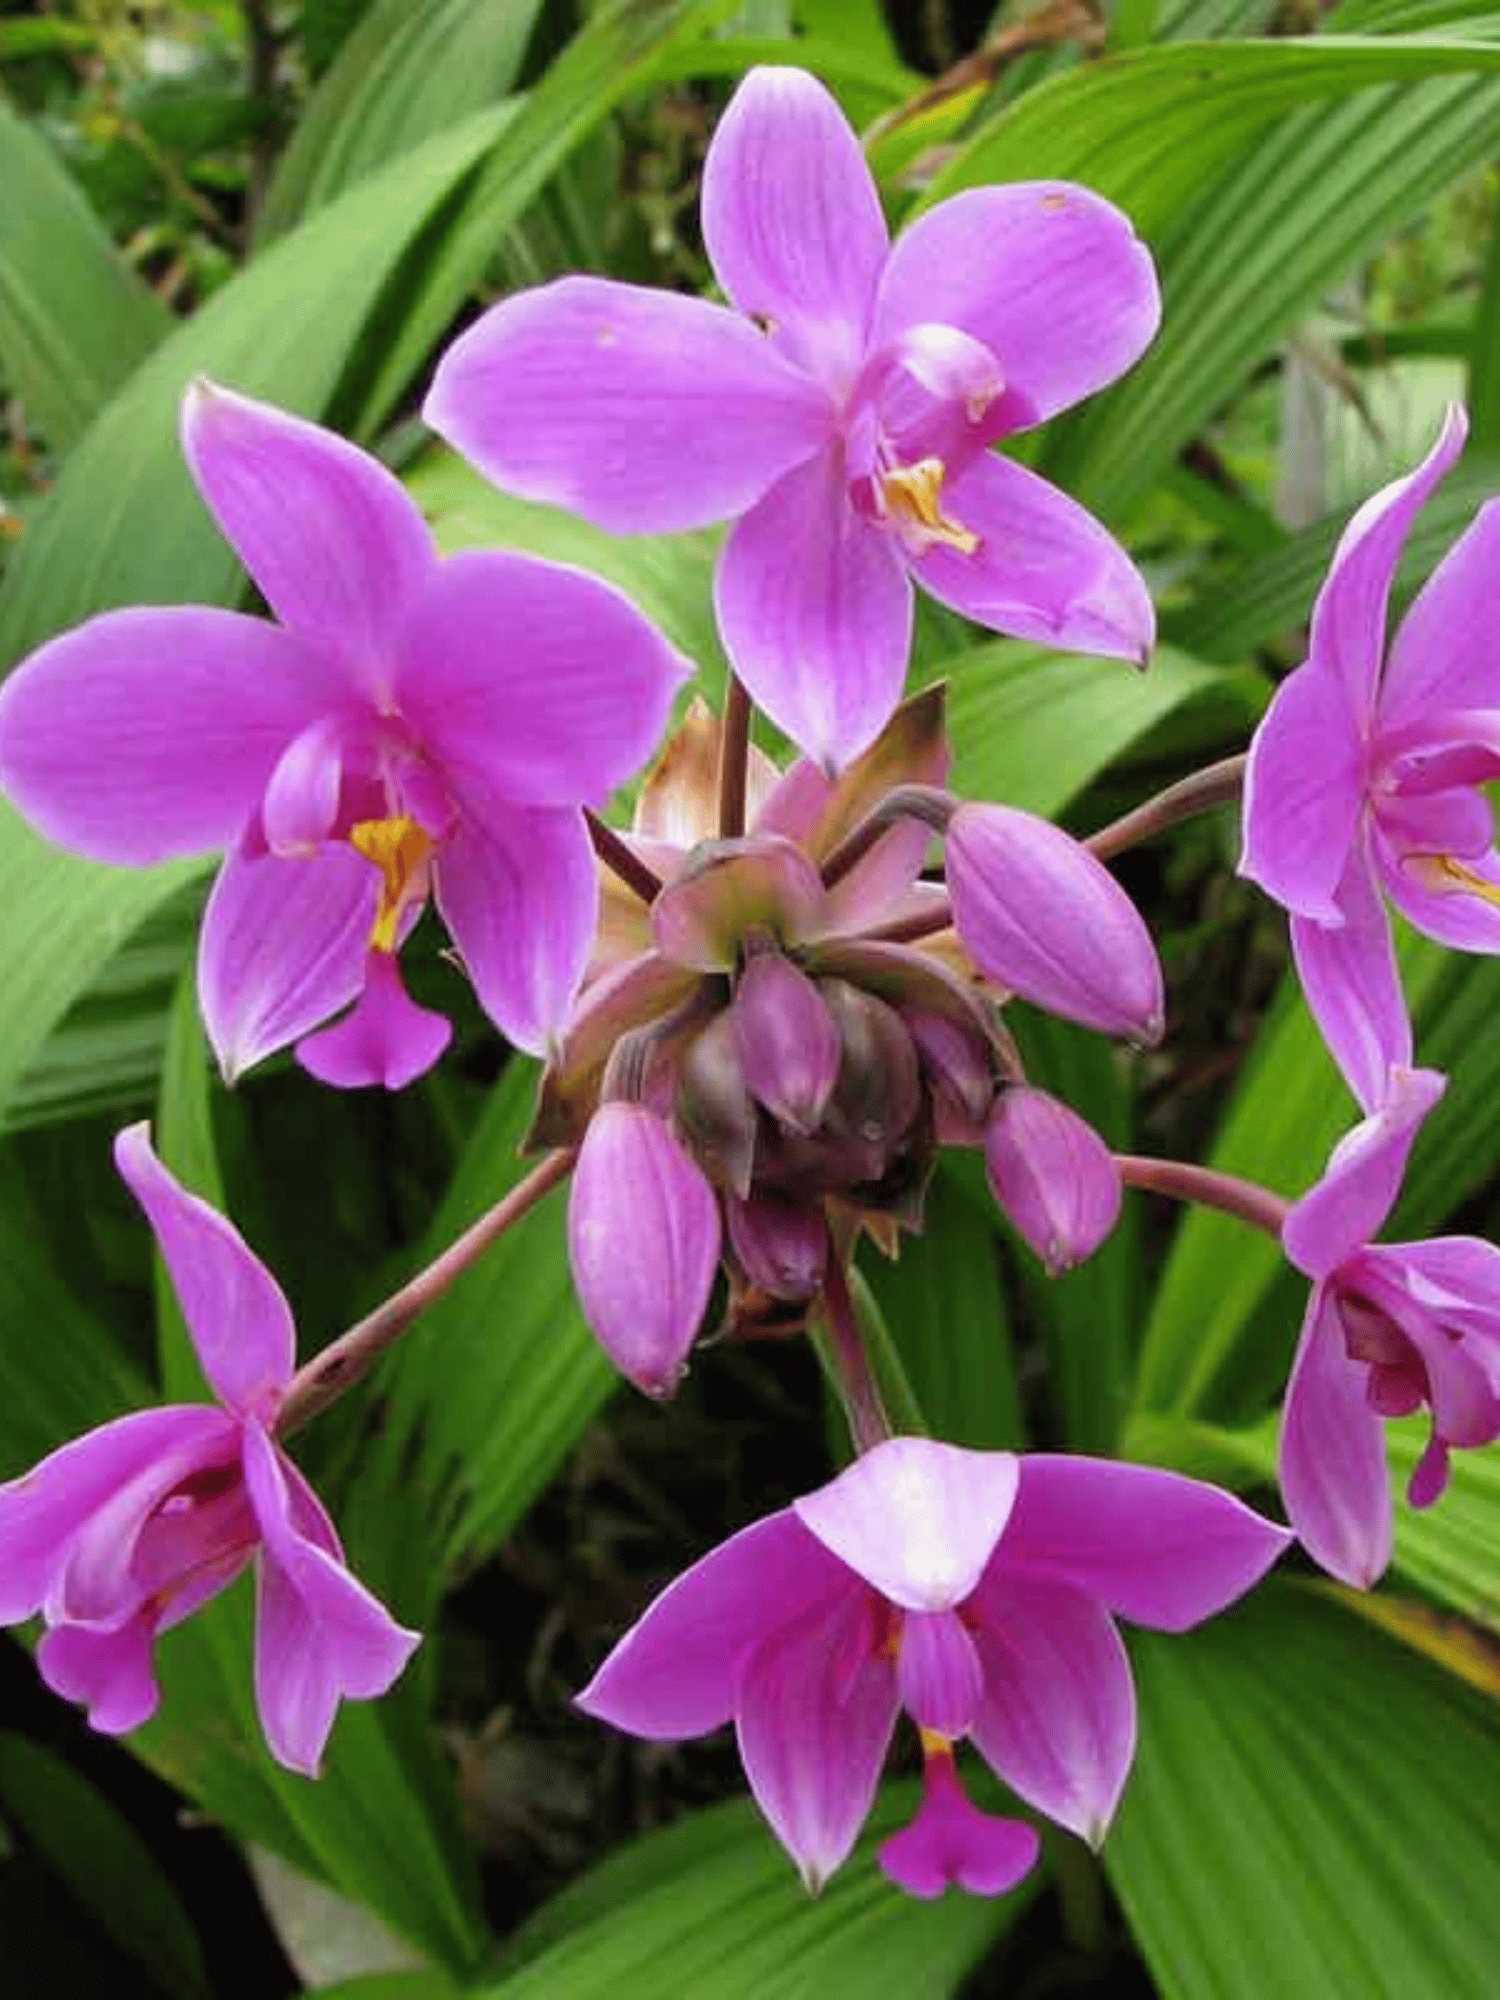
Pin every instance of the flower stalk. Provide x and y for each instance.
(1199, 792)
(1180, 1181)
(869, 1424)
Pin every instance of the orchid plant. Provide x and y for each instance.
(767, 1005)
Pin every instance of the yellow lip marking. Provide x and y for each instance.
(913, 497)
(399, 849)
(1441, 871)
(934, 1745)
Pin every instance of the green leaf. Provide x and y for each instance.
(1452, 1549)
(427, 1985)
(411, 69)
(713, 1908)
(109, 1870)
(74, 318)
(1311, 1813)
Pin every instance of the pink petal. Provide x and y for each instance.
(542, 684)
(1154, 1547)
(43, 1512)
(1044, 569)
(283, 947)
(1363, 1176)
(814, 1715)
(1040, 915)
(1455, 1278)
(1440, 903)
(951, 1840)
(330, 537)
(676, 1671)
(788, 1043)
(643, 1240)
(301, 801)
(108, 1668)
(1447, 653)
(815, 612)
(387, 1039)
(792, 222)
(1458, 821)
(1333, 1473)
(319, 1635)
(1348, 621)
(938, 1672)
(1050, 277)
(1304, 789)
(152, 732)
(1053, 1176)
(643, 410)
(518, 891)
(1058, 1718)
(917, 1520)
(236, 1312)
(1352, 985)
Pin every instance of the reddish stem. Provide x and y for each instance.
(1243, 1199)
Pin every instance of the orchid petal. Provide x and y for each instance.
(517, 890)
(1363, 1177)
(1348, 620)
(532, 679)
(1058, 1718)
(1304, 789)
(1446, 654)
(387, 1039)
(153, 731)
(951, 1840)
(1458, 904)
(301, 802)
(331, 538)
(43, 1513)
(1333, 1473)
(319, 1634)
(108, 1668)
(792, 222)
(815, 612)
(1043, 568)
(1155, 1547)
(643, 1241)
(236, 1312)
(916, 1519)
(938, 1672)
(814, 1713)
(611, 400)
(1049, 276)
(283, 947)
(676, 1671)
(1042, 916)
(1352, 986)
(1454, 1278)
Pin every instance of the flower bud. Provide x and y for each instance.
(878, 1094)
(788, 1044)
(1052, 1174)
(960, 1080)
(714, 1108)
(1040, 915)
(784, 1250)
(643, 1240)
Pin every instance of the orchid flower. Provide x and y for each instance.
(838, 409)
(1389, 1327)
(127, 1531)
(769, 1051)
(975, 1590)
(1365, 778)
(407, 727)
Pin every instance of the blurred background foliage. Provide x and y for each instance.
(306, 200)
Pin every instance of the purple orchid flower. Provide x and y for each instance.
(839, 408)
(1364, 779)
(409, 726)
(975, 1590)
(127, 1531)
(1389, 1327)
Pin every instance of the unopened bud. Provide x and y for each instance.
(783, 1249)
(788, 1043)
(1052, 1174)
(714, 1106)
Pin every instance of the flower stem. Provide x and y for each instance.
(921, 923)
(928, 803)
(341, 1364)
(621, 859)
(734, 760)
(1181, 1182)
(1201, 791)
(868, 1423)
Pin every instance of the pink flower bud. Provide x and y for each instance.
(957, 1067)
(714, 1109)
(788, 1043)
(643, 1239)
(1039, 914)
(784, 1250)
(1053, 1175)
